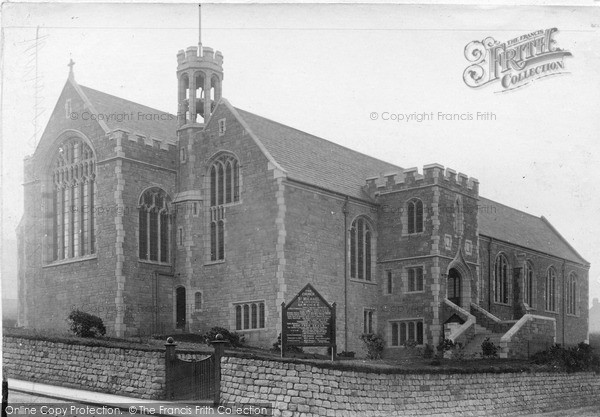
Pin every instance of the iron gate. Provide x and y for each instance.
(193, 379)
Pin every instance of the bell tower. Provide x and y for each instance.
(200, 80)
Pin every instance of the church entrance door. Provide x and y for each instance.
(454, 286)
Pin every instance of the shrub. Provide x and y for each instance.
(234, 339)
(375, 345)
(445, 345)
(428, 351)
(297, 349)
(489, 349)
(573, 359)
(86, 325)
(346, 354)
(410, 343)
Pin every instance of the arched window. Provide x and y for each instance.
(224, 189)
(501, 280)
(415, 216)
(224, 181)
(458, 218)
(551, 289)
(572, 294)
(154, 226)
(73, 173)
(198, 301)
(529, 279)
(360, 249)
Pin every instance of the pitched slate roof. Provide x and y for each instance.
(153, 122)
(514, 226)
(313, 160)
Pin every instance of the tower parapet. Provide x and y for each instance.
(200, 78)
(433, 174)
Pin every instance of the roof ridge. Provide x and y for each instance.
(124, 99)
(318, 137)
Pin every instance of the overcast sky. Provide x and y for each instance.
(325, 69)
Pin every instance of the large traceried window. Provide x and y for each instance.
(224, 181)
(501, 280)
(551, 289)
(154, 226)
(73, 199)
(529, 279)
(415, 216)
(360, 249)
(224, 189)
(572, 294)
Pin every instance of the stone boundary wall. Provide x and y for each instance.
(125, 371)
(306, 389)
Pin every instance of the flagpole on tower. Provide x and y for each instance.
(200, 28)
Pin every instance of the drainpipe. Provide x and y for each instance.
(490, 275)
(345, 211)
(564, 304)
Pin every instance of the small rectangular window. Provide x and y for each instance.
(415, 279)
(390, 284)
(195, 209)
(182, 155)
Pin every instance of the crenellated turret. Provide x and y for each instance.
(200, 78)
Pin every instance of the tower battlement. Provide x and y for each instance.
(143, 140)
(199, 57)
(433, 174)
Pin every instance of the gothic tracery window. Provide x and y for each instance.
(154, 226)
(360, 249)
(528, 284)
(224, 189)
(73, 200)
(551, 289)
(415, 216)
(501, 280)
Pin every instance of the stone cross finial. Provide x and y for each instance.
(70, 65)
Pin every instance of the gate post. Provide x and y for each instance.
(219, 346)
(170, 356)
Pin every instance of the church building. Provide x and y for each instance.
(160, 223)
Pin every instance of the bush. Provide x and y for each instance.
(346, 354)
(573, 359)
(375, 345)
(445, 345)
(489, 349)
(235, 339)
(86, 325)
(428, 351)
(277, 347)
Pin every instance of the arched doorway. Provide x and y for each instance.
(454, 286)
(180, 307)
